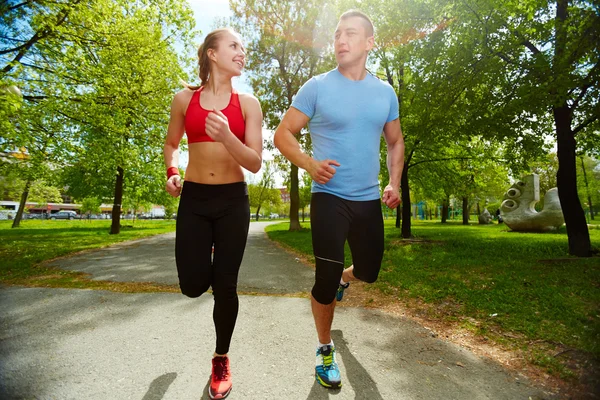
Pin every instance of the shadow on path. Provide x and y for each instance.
(363, 385)
(159, 386)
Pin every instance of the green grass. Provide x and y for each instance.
(23, 248)
(515, 288)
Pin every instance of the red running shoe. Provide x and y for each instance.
(220, 380)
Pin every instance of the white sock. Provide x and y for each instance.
(326, 344)
(342, 281)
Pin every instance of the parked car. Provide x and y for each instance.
(64, 215)
(273, 216)
(98, 216)
(253, 216)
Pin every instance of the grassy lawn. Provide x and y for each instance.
(23, 248)
(516, 289)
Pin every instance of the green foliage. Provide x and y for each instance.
(305, 191)
(10, 103)
(547, 169)
(171, 207)
(263, 192)
(42, 193)
(90, 205)
(97, 83)
(588, 183)
(39, 191)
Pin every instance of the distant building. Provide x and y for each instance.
(285, 196)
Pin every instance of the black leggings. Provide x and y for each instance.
(333, 220)
(207, 215)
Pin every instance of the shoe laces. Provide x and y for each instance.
(327, 358)
(220, 368)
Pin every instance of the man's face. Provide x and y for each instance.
(351, 41)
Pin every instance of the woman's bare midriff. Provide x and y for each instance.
(210, 163)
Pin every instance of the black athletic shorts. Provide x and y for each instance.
(334, 220)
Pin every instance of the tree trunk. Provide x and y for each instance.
(478, 209)
(406, 206)
(115, 227)
(294, 199)
(566, 180)
(587, 189)
(17, 221)
(445, 206)
(465, 210)
(257, 211)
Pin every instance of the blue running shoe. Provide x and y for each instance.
(340, 292)
(327, 372)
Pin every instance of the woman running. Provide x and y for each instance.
(224, 133)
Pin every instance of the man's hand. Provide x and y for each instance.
(391, 197)
(173, 185)
(322, 171)
(217, 126)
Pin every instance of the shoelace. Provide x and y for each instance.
(220, 370)
(327, 359)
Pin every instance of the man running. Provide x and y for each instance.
(347, 109)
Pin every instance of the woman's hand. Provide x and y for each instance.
(174, 185)
(217, 126)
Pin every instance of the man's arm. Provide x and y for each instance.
(291, 125)
(395, 162)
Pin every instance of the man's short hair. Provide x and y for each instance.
(368, 24)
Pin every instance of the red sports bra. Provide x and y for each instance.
(195, 118)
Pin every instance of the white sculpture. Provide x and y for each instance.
(485, 217)
(518, 207)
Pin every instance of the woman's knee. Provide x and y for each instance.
(224, 292)
(193, 291)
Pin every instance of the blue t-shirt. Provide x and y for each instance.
(346, 122)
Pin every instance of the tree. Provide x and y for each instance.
(35, 147)
(41, 192)
(305, 193)
(589, 182)
(546, 168)
(264, 192)
(10, 103)
(33, 128)
(588, 178)
(442, 92)
(90, 205)
(287, 42)
(550, 52)
(105, 72)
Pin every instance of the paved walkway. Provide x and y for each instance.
(85, 344)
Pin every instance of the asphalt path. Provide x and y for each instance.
(87, 344)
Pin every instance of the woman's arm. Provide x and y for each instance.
(174, 135)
